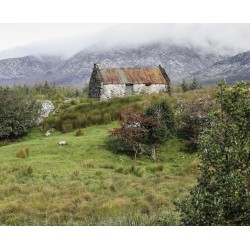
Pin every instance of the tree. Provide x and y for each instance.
(133, 131)
(184, 86)
(163, 114)
(17, 113)
(192, 119)
(195, 84)
(222, 195)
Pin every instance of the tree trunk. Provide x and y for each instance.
(153, 157)
(135, 154)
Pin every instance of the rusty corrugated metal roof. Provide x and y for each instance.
(133, 76)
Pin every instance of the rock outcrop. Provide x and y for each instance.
(47, 107)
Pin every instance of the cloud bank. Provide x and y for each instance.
(221, 38)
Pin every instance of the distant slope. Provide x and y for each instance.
(232, 69)
(27, 69)
(177, 61)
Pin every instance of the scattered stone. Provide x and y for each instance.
(68, 100)
(56, 111)
(48, 133)
(62, 143)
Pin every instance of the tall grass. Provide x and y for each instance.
(94, 112)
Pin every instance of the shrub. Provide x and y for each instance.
(222, 194)
(88, 164)
(18, 113)
(192, 119)
(122, 170)
(139, 172)
(162, 113)
(107, 165)
(184, 86)
(74, 102)
(79, 132)
(67, 127)
(23, 153)
(194, 167)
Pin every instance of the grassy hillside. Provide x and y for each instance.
(86, 183)
(86, 112)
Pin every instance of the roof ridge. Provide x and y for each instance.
(133, 75)
(129, 68)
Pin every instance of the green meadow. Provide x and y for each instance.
(87, 181)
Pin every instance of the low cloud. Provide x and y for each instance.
(221, 38)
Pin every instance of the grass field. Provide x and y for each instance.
(87, 183)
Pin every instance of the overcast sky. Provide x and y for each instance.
(67, 39)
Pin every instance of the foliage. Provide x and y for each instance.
(195, 84)
(192, 119)
(222, 196)
(142, 132)
(134, 129)
(94, 112)
(48, 90)
(184, 86)
(17, 113)
(163, 114)
(192, 86)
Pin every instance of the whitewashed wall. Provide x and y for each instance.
(152, 88)
(112, 90)
(118, 90)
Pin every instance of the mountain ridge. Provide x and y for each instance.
(180, 62)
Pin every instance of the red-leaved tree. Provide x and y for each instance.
(133, 131)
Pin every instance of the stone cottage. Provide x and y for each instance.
(107, 83)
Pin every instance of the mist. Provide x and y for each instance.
(225, 39)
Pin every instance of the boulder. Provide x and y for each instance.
(47, 107)
(62, 143)
(48, 133)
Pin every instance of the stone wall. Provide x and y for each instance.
(149, 89)
(119, 90)
(112, 90)
(95, 84)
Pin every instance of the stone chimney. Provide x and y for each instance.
(97, 65)
(164, 73)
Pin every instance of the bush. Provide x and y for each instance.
(88, 164)
(79, 132)
(18, 113)
(74, 102)
(222, 194)
(67, 127)
(162, 113)
(139, 172)
(122, 170)
(192, 119)
(107, 165)
(23, 153)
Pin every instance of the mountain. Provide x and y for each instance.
(235, 68)
(27, 69)
(177, 61)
